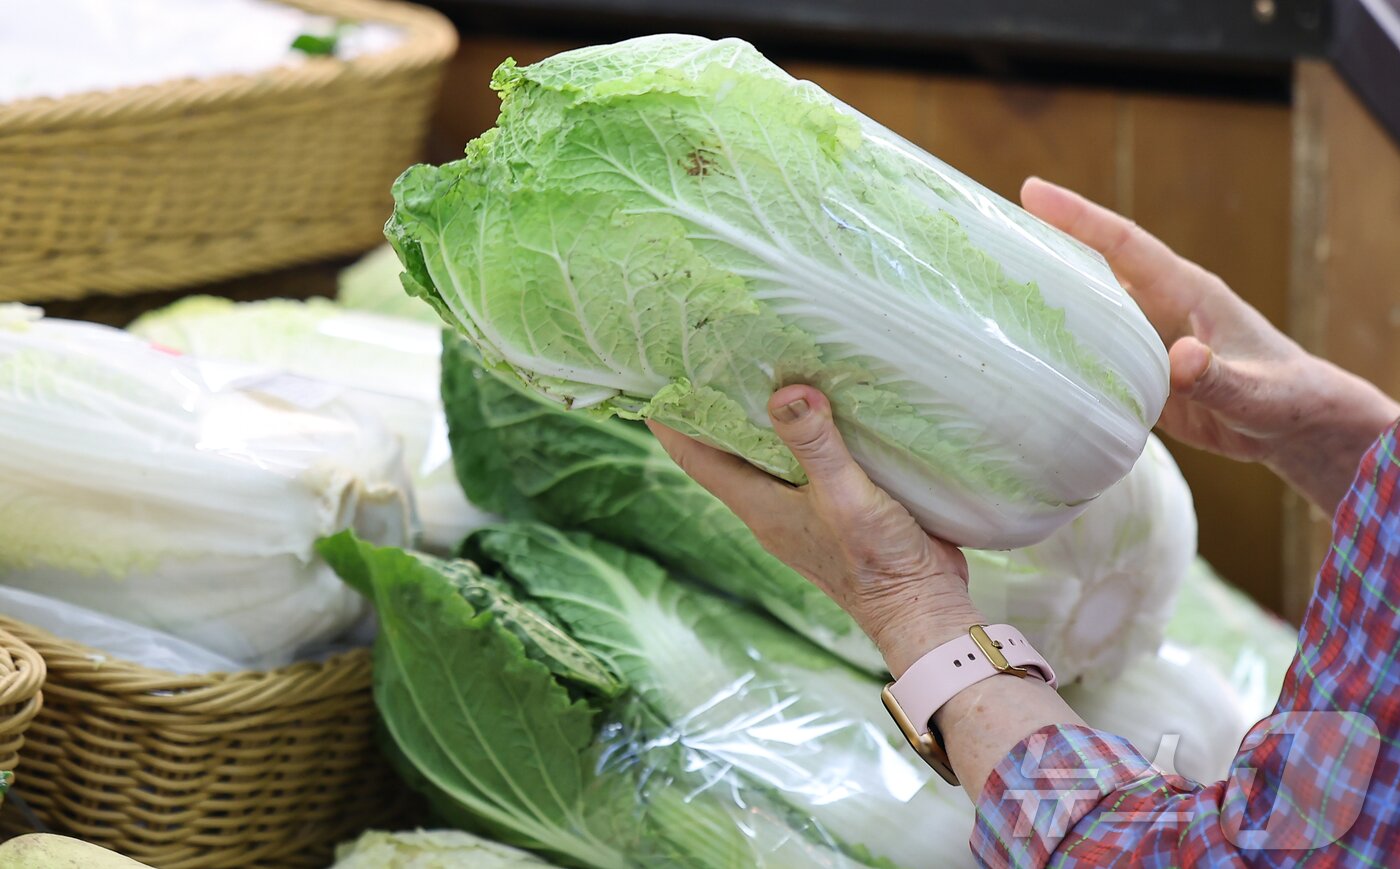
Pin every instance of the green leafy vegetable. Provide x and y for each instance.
(735, 743)
(672, 227)
(522, 457)
(321, 44)
(430, 849)
(317, 46)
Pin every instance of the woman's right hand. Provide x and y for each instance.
(1239, 386)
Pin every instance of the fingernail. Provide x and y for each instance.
(792, 411)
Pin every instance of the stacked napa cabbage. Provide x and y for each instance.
(184, 495)
(386, 367)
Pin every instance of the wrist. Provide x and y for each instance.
(919, 618)
(1321, 458)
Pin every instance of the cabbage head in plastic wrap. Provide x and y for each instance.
(386, 367)
(579, 702)
(672, 227)
(184, 495)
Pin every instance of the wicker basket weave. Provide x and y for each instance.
(220, 770)
(193, 181)
(21, 676)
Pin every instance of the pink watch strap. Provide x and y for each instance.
(958, 664)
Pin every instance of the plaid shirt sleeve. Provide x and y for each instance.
(1317, 784)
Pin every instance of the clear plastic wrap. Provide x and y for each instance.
(576, 700)
(386, 367)
(714, 739)
(110, 636)
(1248, 646)
(1096, 595)
(183, 495)
(673, 227)
(1174, 708)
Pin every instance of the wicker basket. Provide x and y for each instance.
(193, 181)
(221, 770)
(21, 675)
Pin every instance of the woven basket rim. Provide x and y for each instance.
(22, 674)
(429, 39)
(166, 690)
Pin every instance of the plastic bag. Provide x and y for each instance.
(1248, 646)
(385, 367)
(111, 636)
(607, 715)
(183, 495)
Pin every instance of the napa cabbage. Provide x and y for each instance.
(386, 367)
(430, 849)
(184, 495)
(729, 741)
(1098, 592)
(672, 227)
(567, 696)
(523, 457)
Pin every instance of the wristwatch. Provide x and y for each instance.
(933, 680)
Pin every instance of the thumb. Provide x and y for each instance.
(1205, 378)
(802, 418)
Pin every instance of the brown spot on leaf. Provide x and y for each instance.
(697, 163)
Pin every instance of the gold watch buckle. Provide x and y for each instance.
(992, 650)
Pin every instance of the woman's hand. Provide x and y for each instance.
(907, 590)
(1240, 387)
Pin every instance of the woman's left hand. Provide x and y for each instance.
(905, 588)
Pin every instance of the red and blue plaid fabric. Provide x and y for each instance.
(1315, 785)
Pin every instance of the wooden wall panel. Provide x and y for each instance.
(467, 106)
(1211, 179)
(1345, 266)
(997, 134)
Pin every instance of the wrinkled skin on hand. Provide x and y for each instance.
(840, 530)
